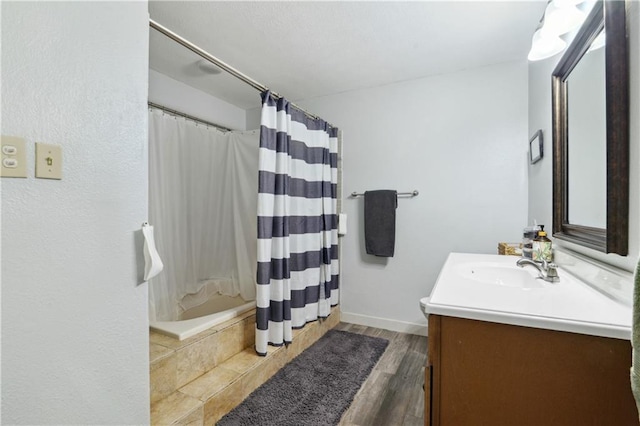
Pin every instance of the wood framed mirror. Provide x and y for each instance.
(593, 180)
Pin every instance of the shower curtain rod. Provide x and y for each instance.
(218, 62)
(188, 117)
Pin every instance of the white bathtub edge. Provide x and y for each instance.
(182, 330)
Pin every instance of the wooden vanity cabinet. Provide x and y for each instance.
(483, 373)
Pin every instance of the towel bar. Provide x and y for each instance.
(413, 193)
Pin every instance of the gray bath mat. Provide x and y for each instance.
(316, 387)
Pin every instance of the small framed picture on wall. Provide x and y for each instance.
(535, 147)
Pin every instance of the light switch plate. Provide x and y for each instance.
(13, 157)
(48, 161)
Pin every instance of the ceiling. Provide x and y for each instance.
(304, 50)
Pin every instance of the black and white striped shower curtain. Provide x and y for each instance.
(297, 277)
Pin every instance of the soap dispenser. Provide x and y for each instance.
(542, 249)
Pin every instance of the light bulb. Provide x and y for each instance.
(545, 46)
(561, 20)
(567, 3)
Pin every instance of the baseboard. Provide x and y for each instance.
(386, 324)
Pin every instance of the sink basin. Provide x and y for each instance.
(499, 274)
(490, 287)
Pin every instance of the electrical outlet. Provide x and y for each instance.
(48, 161)
(14, 157)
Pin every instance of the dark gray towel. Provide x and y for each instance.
(380, 222)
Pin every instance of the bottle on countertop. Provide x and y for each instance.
(542, 249)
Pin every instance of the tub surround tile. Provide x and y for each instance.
(244, 361)
(223, 402)
(163, 377)
(294, 349)
(196, 418)
(308, 338)
(315, 333)
(168, 341)
(157, 352)
(230, 342)
(235, 320)
(215, 371)
(297, 332)
(196, 359)
(280, 359)
(174, 408)
(163, 340)
(334, 318)
(210, 384)
(254, 378)
(263, 371)
(249, 331)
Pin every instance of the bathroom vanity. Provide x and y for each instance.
(506, 348)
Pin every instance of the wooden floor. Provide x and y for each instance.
(392, 395)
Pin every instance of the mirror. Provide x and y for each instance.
(591, 134)
(535, 147)
(587, 123)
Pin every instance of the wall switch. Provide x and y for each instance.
(48, 161)
(14, 157)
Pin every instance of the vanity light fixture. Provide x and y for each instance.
(545, 46)
(567, 3)
(561, 20)
(560, 17)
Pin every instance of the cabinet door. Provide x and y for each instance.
(427, 395)
(497, 374)
(432, 374)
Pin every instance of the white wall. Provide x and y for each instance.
(181, 97)
(74, 317)
(540, 174)
(253, 118)
(461, 140)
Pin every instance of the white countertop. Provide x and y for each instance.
(568, 305)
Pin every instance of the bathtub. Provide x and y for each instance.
(211, 313)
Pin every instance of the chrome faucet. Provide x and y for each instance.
(546, 271)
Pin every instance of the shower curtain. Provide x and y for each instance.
(297, 277)
(203, 203)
